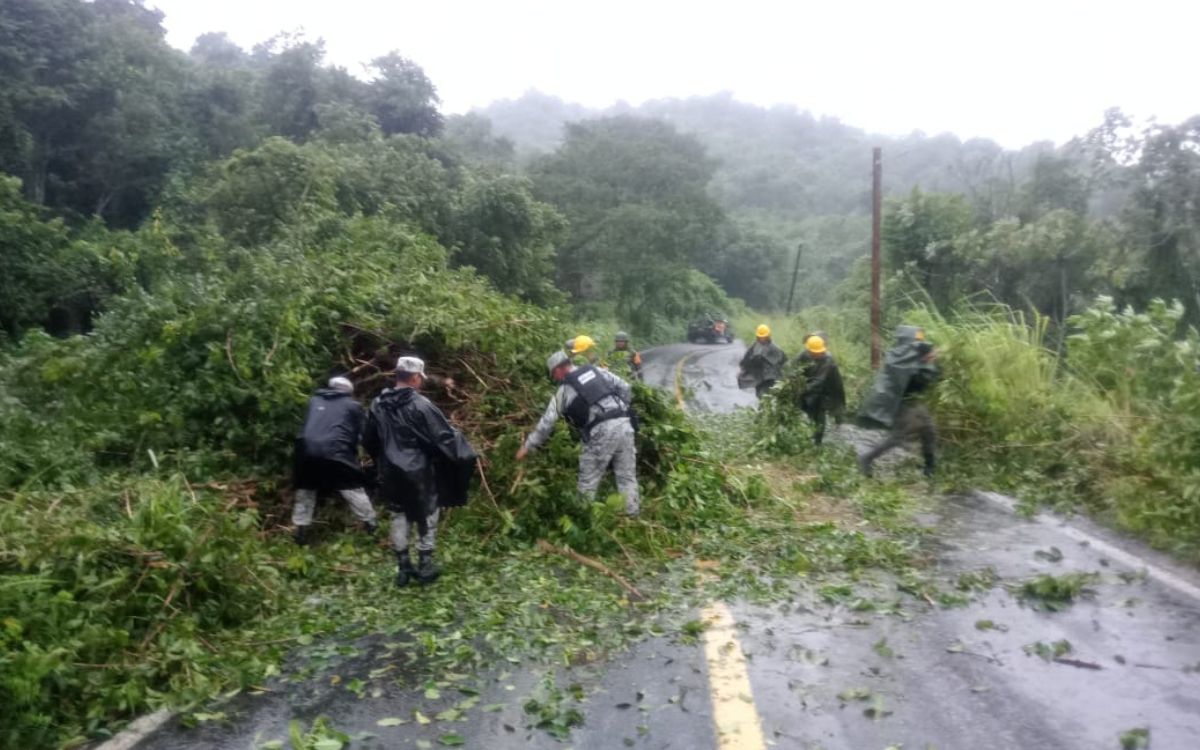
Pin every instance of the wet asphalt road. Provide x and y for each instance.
(929, 677)
(707, 372)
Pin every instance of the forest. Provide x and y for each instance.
(192, 241)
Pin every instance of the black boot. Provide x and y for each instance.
(302, 535)
(864, 464)
(427, 572)
(930, 464)
(404, 569)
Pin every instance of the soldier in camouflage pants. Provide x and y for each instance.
(595, 402)
(610, 443)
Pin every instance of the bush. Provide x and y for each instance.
(107, 597)
(1152, 377)
(133, 591)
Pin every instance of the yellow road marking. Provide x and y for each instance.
(734, 713)
(679, 381)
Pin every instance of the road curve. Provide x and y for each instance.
(705, 373)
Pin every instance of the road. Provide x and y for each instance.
(809, 674)
(948, 684)
(707, 373)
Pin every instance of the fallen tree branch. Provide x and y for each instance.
(483, 482)
(595, 565)
(229, 356)
(1077, 663)
(517, 481)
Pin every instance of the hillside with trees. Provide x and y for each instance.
(190, 242)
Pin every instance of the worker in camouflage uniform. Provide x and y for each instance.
(894, 402)
(326, 457)
(597, 403)
(824, 393)
(623, 360)
(763, 362)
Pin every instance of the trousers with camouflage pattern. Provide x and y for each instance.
(610, 443)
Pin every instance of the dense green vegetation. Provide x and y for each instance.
(1112, 211)
(1108, 426)
(192, 242)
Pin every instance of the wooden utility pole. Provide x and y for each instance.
(795, 275)
(876, 228)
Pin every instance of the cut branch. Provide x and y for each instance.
(595, 565)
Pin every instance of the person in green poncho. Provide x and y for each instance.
(895, 398)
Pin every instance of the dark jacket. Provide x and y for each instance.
(763, 362)
(326, 450)
(423, 462)
(823, 389)
(904, 375)
(332, 426)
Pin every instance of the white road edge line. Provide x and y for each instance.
(734, 713)
(137, 731)
(1165, 577)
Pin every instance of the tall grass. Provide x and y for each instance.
(1002, 382)
(1110, 425)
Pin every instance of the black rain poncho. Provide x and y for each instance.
(423, 462)
(904, 372)
(326, 450)
(763, 361)
(823, 388)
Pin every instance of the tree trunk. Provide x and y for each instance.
(1062, 309)
(102, 204)
(37, 179)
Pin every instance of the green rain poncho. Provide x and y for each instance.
(904, 365)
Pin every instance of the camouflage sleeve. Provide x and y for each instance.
(545, 425)
(624, 390)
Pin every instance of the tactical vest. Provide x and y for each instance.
(590, 389)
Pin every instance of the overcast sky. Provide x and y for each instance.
(1015, 71)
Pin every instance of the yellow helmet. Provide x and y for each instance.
(762, 331)
(582, 344)
(815, 345)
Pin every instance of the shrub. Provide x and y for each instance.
(107, 597)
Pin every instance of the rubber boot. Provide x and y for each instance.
(427, 572)
(864, 465)
(302, 535)
(930, 464)
(404, 569)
